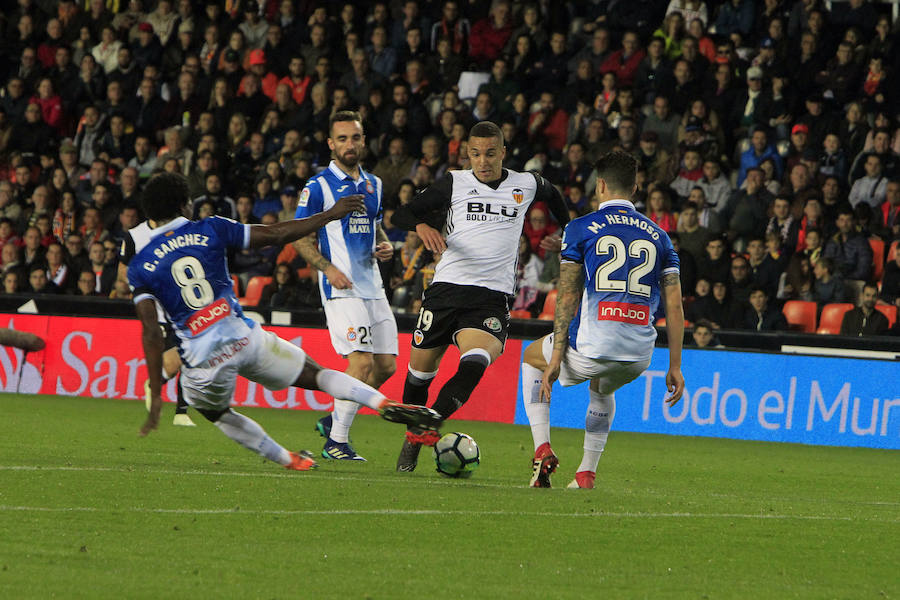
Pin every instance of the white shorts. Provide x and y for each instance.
(610, 374)
(262, 357)
(361, 325)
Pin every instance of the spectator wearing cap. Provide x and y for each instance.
(766, 59)
(752, 106)
(870, 189)
(146, 50)
(268, 81)
(798, 145)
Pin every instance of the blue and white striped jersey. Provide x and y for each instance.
(349, 244)
(623, 255)
(183, 267)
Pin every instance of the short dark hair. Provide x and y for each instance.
(618, 170)
(164, 196)
(486, 129)
(343, 116)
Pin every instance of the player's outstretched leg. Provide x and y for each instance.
(600, 414)
(341, 385)
(248, 433)
(459, 388)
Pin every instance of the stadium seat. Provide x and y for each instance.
(892, 251)
(550, 302)
(236, 284)
(888, 310)
(545, 316)
(830, 319)
(303, 273)
(254, 290)
(801, 315)
(520, 314)
(661, 322)
(877, 258)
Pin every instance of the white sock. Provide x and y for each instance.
(247, 432)
(342, 419)
(538, 412)
(342, 386)
(600, 414)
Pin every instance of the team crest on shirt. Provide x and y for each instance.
(369, 187)
(518, 195)
(492, 323)
(304, 197)
(351, 334)
(418, 336)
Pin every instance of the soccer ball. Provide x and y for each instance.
(456, 455)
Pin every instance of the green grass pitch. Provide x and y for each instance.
(89, 510)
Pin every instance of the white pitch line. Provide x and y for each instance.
(337, 476)
(427, 512)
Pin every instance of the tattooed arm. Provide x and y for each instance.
(569, 291)
(671, 288)
(307, 247)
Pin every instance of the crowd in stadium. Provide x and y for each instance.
(766, 131)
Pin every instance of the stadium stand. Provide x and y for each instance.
(795, 100)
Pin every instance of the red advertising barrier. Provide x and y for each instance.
(103, 358)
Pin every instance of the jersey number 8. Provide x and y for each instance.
(610, 244)
(188, 273)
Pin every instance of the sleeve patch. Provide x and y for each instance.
(304, 198)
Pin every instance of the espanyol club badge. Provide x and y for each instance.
(369, 187)
(418, 336)
(518, 195)
(492, 323)
(351, 334)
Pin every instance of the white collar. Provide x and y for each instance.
(336, 171)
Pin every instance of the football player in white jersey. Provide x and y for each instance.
(359, 317)
(184, 268)
(612, 265)
(483, 210)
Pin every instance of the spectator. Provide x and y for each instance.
(285, 291)
(86, 284)
(692, 237)
(714, 265)
(11, 282)
(538, 227)
(490, 35)
(735, 16)
(37, 279)
(888, 214)
(703, 335)
(872, 187)
(798, 280)
(746, 210)
(851, 251)
(785, 226)
(829, 286)
(624, 63)
(548, 124)
(659, 210)
(864, 319)
(717, 307)
(762, 317)
(759, 151)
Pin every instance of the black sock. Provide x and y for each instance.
(180, 406)
(415, 390)
(457, 390)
